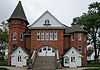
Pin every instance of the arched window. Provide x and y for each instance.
(38, 35)
(47, 21)
(15, 21)
(72, 37)
(55, 35)
(22, 22)
(21, 36)
(14, 35)
(47, 36)
(14, 47)
(79, 36)
(80, 48)
(51, 35)
(42, 36)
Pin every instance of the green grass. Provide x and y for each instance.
(93, 64)
(3, 69)
(92, 69)
(3, 63)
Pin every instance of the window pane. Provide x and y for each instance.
(42, 36)
(18, 58)
(14, 47)
(14, 36)
(40, 50)
(46, 35)
(66, 60)
(51, 35)
(38, 35)
(49, 48)
(22, 22)
(55, 35)
(72, 36)
(72, 59)
(79, 36)
(15, 21)
(79, 48)
(44, 48)
(21, 36)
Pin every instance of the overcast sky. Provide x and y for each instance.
(63, 10)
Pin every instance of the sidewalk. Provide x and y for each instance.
(14, 68)
(25, 68)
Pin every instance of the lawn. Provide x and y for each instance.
(3, 63)
(92, 69)
(93, 64)
(3, 69)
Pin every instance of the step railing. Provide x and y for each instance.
(32, 59)
(58, 62)
(34, 56)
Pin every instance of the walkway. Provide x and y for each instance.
(25, 68)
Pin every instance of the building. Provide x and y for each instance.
(91, 55)
(46, 35)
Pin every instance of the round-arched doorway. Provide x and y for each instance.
(46, 51)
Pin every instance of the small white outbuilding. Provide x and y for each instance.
(72, 58)
(19, 57)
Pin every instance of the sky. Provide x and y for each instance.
(63, 10)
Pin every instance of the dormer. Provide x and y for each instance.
(47, 22)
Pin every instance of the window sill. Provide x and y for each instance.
(21, 40)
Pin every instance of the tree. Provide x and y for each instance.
(90, 21)
(3, 35)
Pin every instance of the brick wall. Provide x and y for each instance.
(54, 43)
(18, 28)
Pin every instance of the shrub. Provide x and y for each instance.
(3, 69)
(3, 63)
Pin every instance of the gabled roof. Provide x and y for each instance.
(75, 28)
(69, 50)
(25, 51)
(47, 15)
(18, 13)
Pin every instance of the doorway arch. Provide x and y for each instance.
(46, 51)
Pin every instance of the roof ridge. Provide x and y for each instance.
(18, 13)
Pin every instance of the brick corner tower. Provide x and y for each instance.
(17, 26)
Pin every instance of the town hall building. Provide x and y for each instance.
(48, 37)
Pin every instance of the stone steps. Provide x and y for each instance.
(45, 63)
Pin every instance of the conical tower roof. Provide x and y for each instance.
(18, 13)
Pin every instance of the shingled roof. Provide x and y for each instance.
(18, 13)
(75, 28)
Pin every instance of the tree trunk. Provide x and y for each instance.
(95, 48)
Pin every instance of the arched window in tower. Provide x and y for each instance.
(72, 37)
(80, 48)
(21, 36)
(79, 36)
(15, 21)
(14, 35)
(14, 47)
(22, 22)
